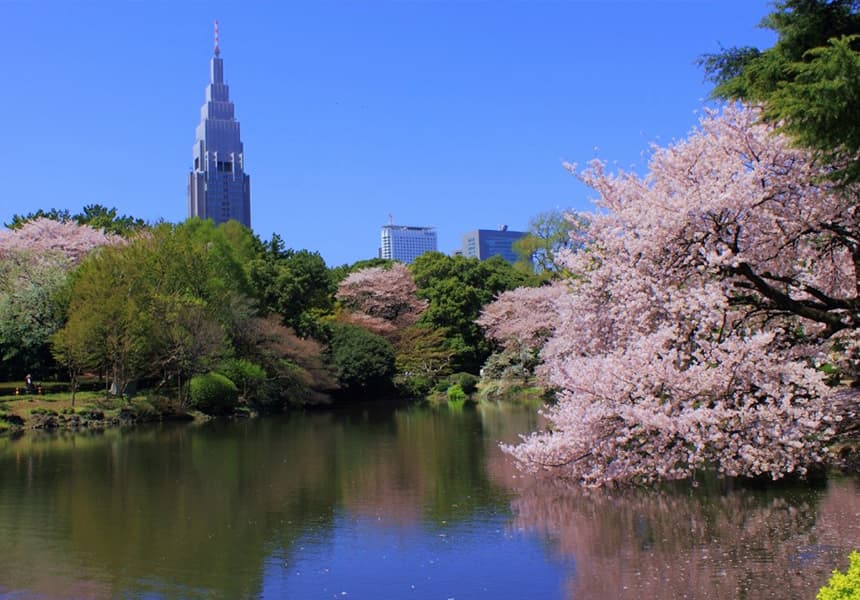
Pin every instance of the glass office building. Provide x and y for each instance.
(405, 243)
(484, 243)
(218, 187)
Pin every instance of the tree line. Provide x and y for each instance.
(194, 310)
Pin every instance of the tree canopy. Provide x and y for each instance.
(808, 83)
(96, 216)
(548, 234)
(695, 334)
(456, 288)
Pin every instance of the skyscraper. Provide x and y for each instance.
(218, 187)
(485, 243)
(406, 243)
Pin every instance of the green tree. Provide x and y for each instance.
(549, 232)
(295, 284)
(422, 352)
(808, 83)
(94, 215)
(456, 289)
(248, 376)
(363, 362)
(70, 348)
(109, 220)
(55, 214)
(187, 341)
(31, 310)
(164, 306)
(107, 313)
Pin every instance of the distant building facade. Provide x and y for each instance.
(485, 243)
(406, 243)
(218, 187)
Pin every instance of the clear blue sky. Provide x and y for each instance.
(456, 114)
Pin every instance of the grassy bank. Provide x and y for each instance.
(92, 410)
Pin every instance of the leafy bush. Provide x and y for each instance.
(362, 361)
(248, 376)
(442, 386)
(213, 393)
(843, 586)
(456, 395)
(144, 409)
(467, 381)
(417, 386)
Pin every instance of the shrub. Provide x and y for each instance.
(213, 393)
(416, 386)
(441, 386)
(843, 586)
(362, 360)
(249, 377)
(456, 395)
(467, 381)
(144, 409)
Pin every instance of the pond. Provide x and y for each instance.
(381, 502)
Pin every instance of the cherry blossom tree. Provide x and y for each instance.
(35, 260)
(383, 300)
(524, 316)
(712, 290)
(31, 310)
(47, 235)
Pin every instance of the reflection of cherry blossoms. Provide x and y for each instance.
(691, 333)
(695, 544)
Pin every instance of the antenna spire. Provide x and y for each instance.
(217, 48)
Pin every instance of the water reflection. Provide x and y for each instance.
(385, 503)
(188, 511)
(717, 541)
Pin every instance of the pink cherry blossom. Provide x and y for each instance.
(47, 235)
(385, 298)
(690, 334)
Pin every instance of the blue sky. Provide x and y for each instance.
(455, 114)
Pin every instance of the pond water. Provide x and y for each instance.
(385, 503)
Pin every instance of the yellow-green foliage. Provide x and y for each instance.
(456, 394)
(843, 586)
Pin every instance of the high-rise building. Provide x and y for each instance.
(484, 243)
(405, 243)
(218, 187)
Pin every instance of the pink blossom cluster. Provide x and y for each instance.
(690, 334)
(524, 317)
(383, 300)
(49, 236)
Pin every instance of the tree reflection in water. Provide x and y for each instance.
(716, 541)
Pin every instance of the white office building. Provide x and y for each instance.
(405, 243)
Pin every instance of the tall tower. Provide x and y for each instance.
(218, 187)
